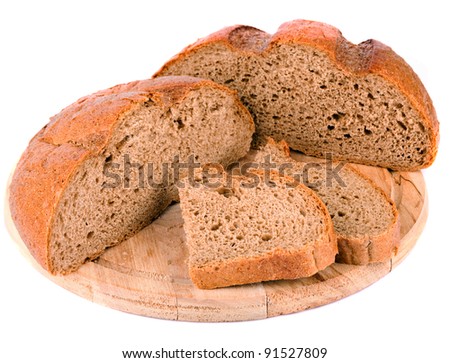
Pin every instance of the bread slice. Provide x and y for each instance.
(262, 227)
(308, 85)
(365, 219)
(104, 167)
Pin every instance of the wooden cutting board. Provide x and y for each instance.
(147, 274)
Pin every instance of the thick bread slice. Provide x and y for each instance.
(104, 167)
(308, 85)
(365, 219)
(250, 229)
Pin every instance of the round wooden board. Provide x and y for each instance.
(147, 274)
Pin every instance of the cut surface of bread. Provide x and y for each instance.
(308, 85)
(244, 230)
(365, 219)
(105, 166)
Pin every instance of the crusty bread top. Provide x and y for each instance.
(90, 121)
(78, 132)
(369, 57)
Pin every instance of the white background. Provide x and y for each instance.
(52, 53)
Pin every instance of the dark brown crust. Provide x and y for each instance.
(78, 132)
(369, 57)
(279, 264)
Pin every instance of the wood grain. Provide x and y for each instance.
(147, 274)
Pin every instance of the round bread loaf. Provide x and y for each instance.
(105, 166)
(308, 85)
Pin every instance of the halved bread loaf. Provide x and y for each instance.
(104, 167)
(308, 85)
(243, 230)
(365, 219)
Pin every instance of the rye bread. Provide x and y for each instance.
(103, 168)
(242, 230)
(308, 85)
(365, 219)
